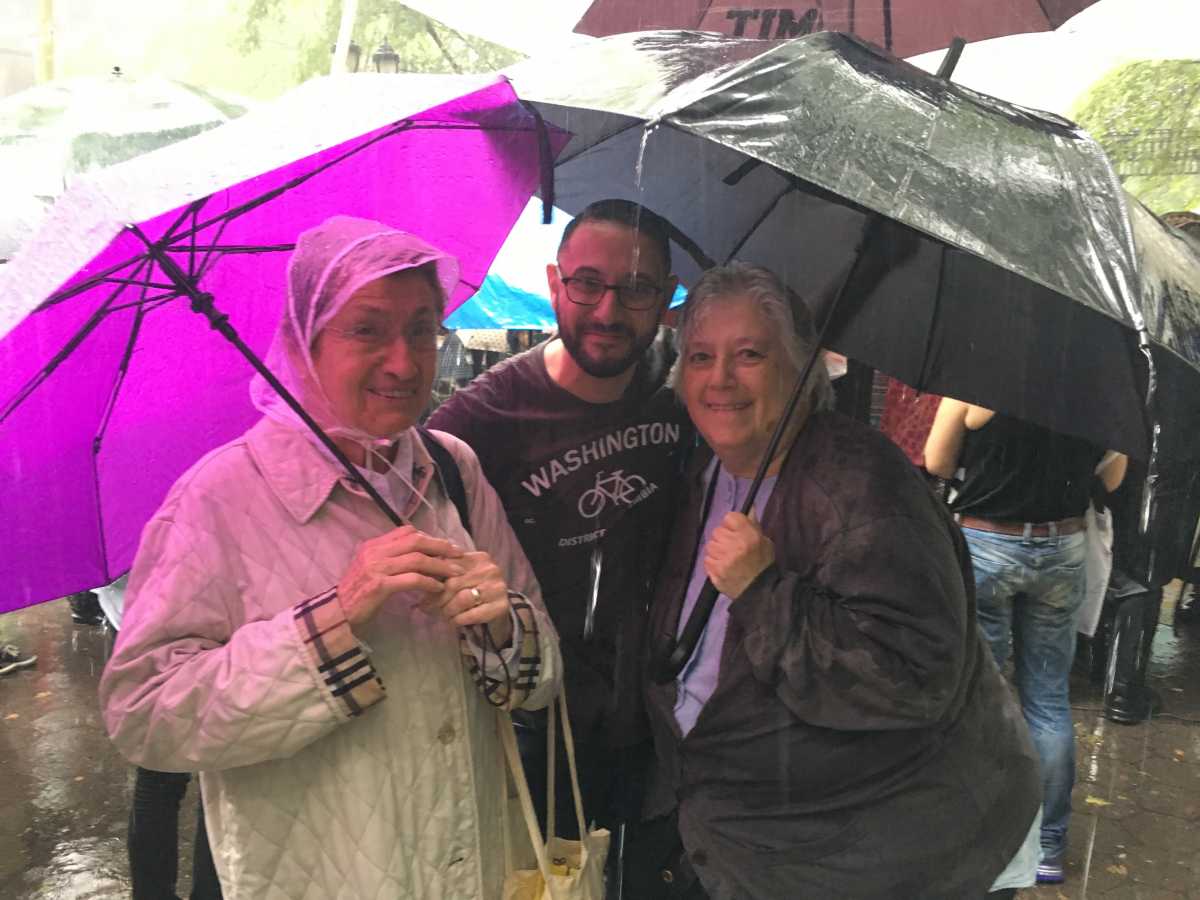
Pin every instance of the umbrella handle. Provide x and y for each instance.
(950, 60)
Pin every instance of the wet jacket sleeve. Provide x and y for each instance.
(193, 685)
(529, 677)
(874, 637)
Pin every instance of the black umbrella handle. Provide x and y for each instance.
(673, 655)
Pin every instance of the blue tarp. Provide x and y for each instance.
(499, 304)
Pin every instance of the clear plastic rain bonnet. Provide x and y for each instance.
(332, 261)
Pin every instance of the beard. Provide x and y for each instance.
(605, 366)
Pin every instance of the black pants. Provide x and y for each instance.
(154, 840)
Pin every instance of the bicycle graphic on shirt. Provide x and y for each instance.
(622, 490)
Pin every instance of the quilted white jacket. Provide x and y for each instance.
(333, 764)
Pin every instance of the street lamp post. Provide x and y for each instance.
(387, 60)
(353, 56)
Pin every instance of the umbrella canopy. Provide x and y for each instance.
(904, 27)
(110, 386)
(53, 133)
(1028, 278)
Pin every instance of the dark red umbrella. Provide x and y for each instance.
(904, 27)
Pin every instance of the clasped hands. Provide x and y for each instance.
(464, 587)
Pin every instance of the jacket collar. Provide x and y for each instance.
(302, 476)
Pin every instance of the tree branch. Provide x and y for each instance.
(437, 40)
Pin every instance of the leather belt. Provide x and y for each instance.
(1036, 529)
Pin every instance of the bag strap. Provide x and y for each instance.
(510, 856)
(559, 707)
(551, 771)
(449, 474)
(569, 740)
(508, 738)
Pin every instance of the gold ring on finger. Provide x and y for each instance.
(476, 597)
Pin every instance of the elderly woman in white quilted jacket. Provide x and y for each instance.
(334, 678)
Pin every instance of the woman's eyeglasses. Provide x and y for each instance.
(419, 335)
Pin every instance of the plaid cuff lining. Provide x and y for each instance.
(342, 664)
(511, 690)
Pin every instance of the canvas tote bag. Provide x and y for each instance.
(566, 870)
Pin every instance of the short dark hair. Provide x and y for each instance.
(631, 215)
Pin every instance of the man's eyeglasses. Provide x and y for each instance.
(635, 295)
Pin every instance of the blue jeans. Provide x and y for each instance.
(1028, 592)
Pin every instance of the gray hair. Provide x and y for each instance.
(792, 321)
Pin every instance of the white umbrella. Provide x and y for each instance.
(54, 133)
(1052, 70)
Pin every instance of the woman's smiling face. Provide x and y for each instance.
(736, 379)
(376, 358)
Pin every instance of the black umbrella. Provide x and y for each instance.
(1035, 280)
(1016, 273)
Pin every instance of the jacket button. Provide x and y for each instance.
(667, 875)
(446, 733)
(700, 858)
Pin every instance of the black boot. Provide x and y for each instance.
(85, 608)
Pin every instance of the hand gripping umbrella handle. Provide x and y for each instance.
(864, 275)
(675, 655)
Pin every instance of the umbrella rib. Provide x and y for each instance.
(250, 205)
(192, 245)
(233, 248)
(563, 160)
(67, 349)
(139, 282)
(762, 218)
(937, 300)
(100, 277)
(102, 430)
(208, 255)
(153, 302)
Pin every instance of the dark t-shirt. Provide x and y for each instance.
(1018, 472)
(584, 485)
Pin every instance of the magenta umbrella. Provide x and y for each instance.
(903, 27)
(111, 384)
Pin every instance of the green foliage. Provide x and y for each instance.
(1146, 115)
(422, 44)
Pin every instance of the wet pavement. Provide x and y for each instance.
(65, 793)
(1135, 825)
